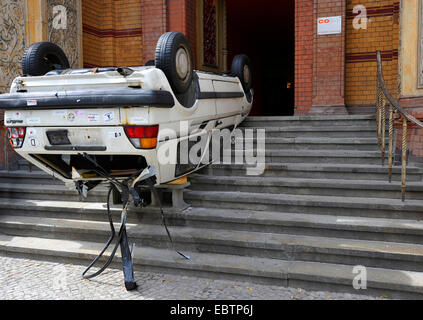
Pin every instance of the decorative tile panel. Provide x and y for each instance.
(12, 41)
(62, 17)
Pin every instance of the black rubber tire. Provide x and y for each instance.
(239, 65)
(42, 57)
(165, 60)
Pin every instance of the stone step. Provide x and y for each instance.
(307, 121)
(325, 205)
(304, 186)
(304, 143)
(319, 171)
(362, 110)
(36, 191)
(307, 275)
(23, 164)
(390, 255)
(323, 132)
(312, 156)
(25, 176)
(378, 229)
(237, 243)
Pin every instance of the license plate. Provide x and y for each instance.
(58, 137)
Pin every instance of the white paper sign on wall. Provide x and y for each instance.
(329, 25)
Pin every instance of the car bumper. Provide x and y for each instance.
(87, 99)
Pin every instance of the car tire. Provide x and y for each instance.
(42, 57)
(241, 68)
(174, 57)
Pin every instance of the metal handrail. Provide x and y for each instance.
(391, 100)
(382, 93)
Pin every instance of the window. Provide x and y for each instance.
(211, 27)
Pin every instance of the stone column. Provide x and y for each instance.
(35, 21)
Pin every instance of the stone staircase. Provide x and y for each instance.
(322, 206)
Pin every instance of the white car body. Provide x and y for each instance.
(217, 107)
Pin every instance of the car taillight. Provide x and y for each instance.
(16, 136)
(143, 137)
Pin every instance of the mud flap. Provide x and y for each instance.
(127, 263)
(128, 267)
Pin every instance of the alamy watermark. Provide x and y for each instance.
(360, 20)
(360, 280)
(189, 147)
(60, 20)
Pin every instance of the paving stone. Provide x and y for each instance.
(40, 280)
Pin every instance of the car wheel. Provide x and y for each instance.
(174, 58)
(241, 68)
(42, 57)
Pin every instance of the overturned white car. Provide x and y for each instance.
(111, 124)
(67, 122)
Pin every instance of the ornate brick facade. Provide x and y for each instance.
(65, 31)
(12, 46)
(381, 33)
(12, 41)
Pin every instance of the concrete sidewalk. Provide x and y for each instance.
(40, 280)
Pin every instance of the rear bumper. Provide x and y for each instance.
(87, 99)
(104, 141)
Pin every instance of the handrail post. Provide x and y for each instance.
(391, 141)
(378, 99)
(404, 157)
(383, 129)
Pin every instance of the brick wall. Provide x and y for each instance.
(154, 24)
(304, 23)
(382, 33)
(341, 69)
(329, 57)
(160, 16)
(319, 60)
(112, 32)
(182, 18)
(118, 32)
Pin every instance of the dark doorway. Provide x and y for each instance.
(265, 31)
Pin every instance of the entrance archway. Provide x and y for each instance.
(265, 31)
